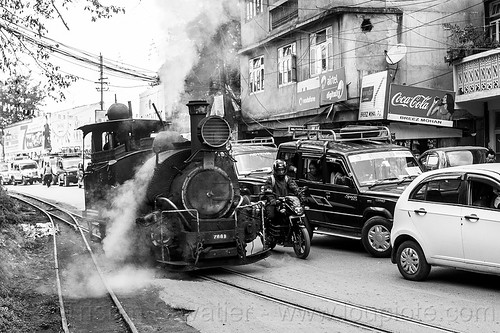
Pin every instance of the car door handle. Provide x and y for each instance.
(472, 217)
(420, 211)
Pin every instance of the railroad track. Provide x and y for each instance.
(79, 311)
(323, 307)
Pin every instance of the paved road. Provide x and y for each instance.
(338, 268)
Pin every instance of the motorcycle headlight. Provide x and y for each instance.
(299, 210)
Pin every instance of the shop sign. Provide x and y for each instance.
(374, 88)
(421, 105)
(308, 94)
(332, 87)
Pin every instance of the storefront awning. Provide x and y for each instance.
(404, 131)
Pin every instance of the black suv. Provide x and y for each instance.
(361, 176)
(254, 163)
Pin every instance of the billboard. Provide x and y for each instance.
(421, 105)
(308, 94)
(333, 87)
(374, 89)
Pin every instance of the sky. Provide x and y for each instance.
(152, 34)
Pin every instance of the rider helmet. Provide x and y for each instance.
(279, 169)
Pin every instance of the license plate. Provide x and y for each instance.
(220, 236)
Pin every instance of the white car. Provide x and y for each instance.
(449, 217)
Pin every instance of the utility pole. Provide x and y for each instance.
(102, 82)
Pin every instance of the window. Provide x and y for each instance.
(253, 8)
(283, 13)
(321, 52)
(484, 193)
(312, 169)
(256, 74)
(287, 64)
(449, 190)
(494, 30)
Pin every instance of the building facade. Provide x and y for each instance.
(476, 81)
(328, 64)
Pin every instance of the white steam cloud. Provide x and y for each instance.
(119, 240)
(188, 24)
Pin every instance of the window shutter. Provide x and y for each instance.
(330, 55)
(294, 68)
(313, 61)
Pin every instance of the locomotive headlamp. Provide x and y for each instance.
(214, 131)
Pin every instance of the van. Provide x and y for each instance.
(25, 172)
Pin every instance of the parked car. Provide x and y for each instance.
(438, 158)
(449, 217)
(254, 163)
(362, 175)
(4, 173)
(25, 172)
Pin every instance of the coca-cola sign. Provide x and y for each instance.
(421, 105)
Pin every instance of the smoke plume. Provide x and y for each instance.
(188, 25)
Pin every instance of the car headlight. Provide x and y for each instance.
(298, 210)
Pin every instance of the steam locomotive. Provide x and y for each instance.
(178, 199)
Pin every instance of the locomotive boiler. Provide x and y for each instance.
(189, 213)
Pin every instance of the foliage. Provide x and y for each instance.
(22, 23)
(9, 212)
(466, 41)
(19, 100)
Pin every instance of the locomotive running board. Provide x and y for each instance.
(215, 263)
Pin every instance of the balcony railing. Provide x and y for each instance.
(478, 73)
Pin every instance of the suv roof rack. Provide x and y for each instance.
(257, 141)
(348, 133)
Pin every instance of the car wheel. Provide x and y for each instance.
(411, 261)
(376, 236)
(24, 181)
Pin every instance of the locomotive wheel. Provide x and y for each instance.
(301, 243)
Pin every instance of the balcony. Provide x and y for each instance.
(476, 77)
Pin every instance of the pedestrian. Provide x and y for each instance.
(491, 156)
(47, 174)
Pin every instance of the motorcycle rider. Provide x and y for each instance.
(279, 184)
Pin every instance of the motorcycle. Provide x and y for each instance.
(289, 227)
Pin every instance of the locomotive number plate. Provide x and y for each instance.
(220, 236)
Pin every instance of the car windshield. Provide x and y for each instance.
(465, 157)
(73, 163)
(255, 162)
(28, 166)
(379, 167)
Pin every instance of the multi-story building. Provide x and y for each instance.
(476, 81)
(331, 63)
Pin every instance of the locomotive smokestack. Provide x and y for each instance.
(197, 111)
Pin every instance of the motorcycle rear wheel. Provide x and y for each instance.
(301, 243)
